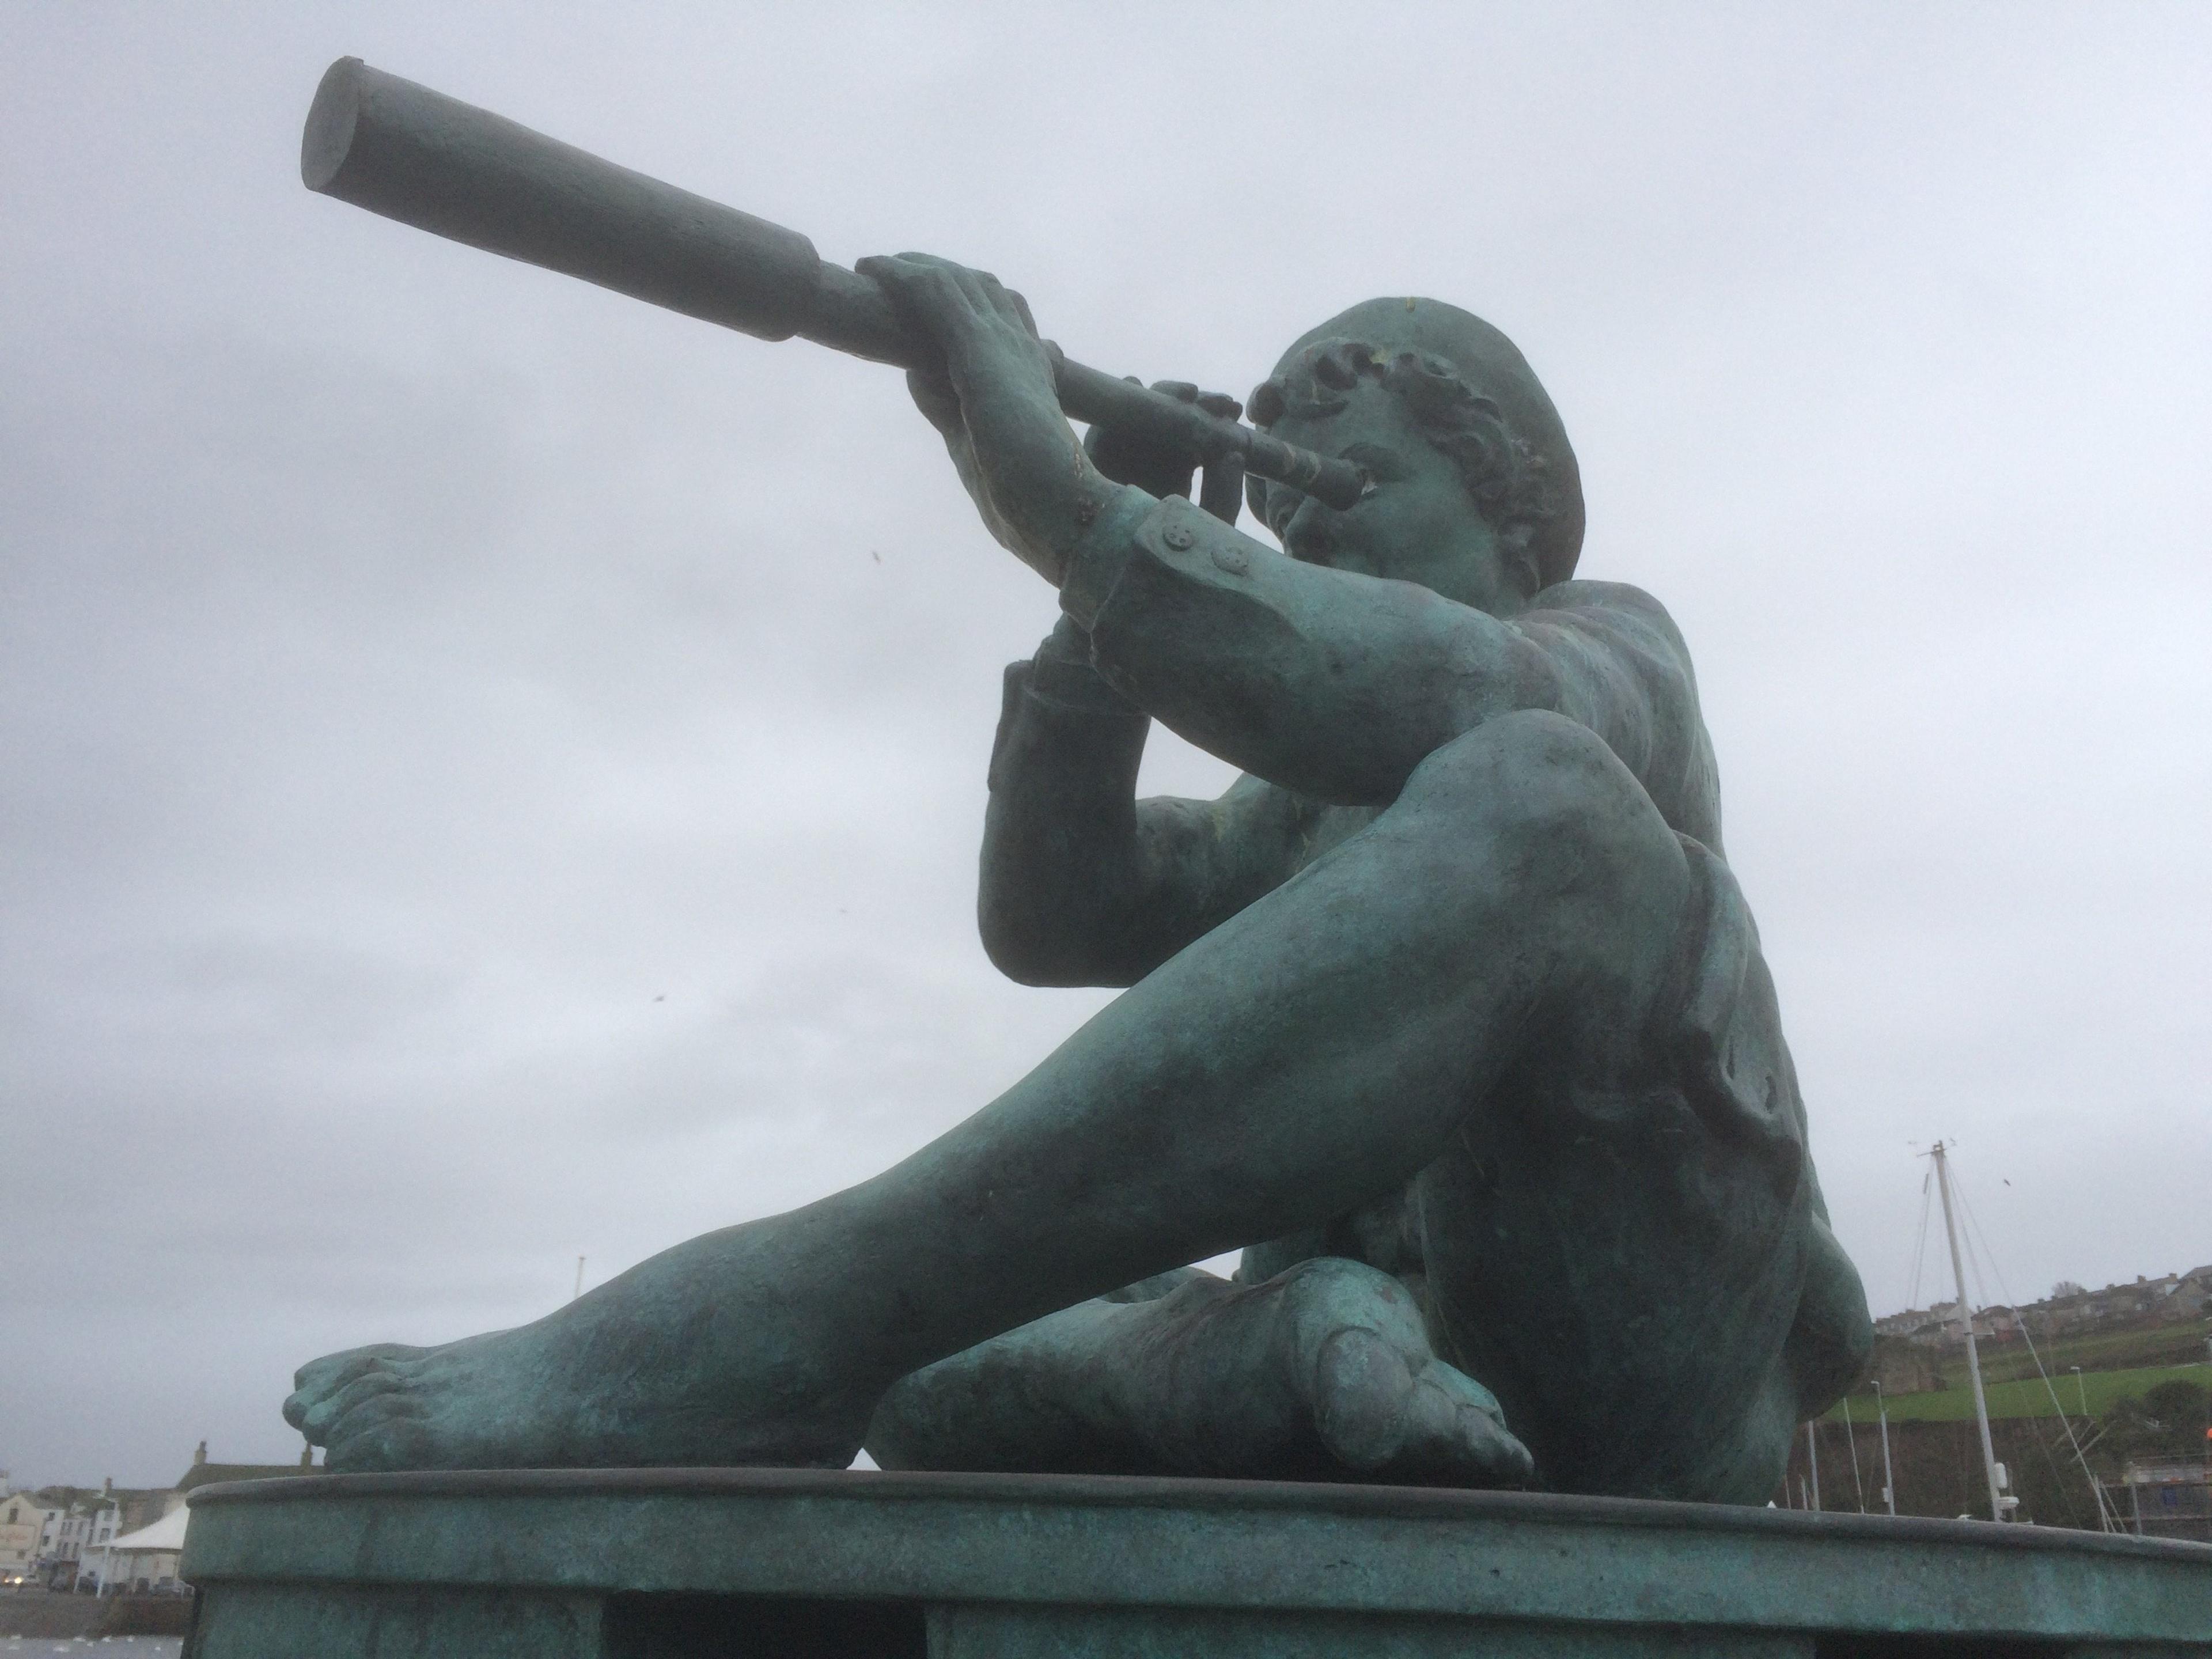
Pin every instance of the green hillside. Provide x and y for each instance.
(2104, 1351)
(2028, 1398)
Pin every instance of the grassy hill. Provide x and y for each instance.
(1937, 1455)
(2104, 1351)
(2024, 1398)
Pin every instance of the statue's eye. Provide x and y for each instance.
(1383, 465)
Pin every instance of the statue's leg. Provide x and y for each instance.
(1309, 1053)
(1323, 1372)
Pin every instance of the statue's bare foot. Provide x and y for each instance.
(622, 1378)
(1324, 1373)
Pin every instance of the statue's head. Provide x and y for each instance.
(1477, 493)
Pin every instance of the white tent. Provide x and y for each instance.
(165, 1537)
(166, 1533)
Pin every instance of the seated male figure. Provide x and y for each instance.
(1448, 1012)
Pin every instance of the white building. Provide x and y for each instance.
(23, 1529)
(71, 1533)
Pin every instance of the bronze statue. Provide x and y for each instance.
(1449, 1012)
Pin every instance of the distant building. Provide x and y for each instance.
(78, 1519)
(2192, 1290)
(1903, 1324)
(127, 1507)
(204, 1474)
(143, 1556)
(23, 1524)
(87, 1532)
(2162, 1499)
(2175, 1295)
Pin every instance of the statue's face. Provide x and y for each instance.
(1419, 524)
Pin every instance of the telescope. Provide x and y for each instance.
(413, 154)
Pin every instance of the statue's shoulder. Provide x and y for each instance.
(1618, 608)
(1580, 593)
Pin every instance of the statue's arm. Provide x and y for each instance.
(1083, 883)
(1332, 686)
(1335, 685)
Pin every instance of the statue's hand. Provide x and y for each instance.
(932, 393)
(995, 404)
(1165, 469)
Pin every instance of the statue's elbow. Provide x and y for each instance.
(1021, 944)
(1015, 957)
(1054, 946)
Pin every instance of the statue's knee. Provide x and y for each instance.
(1523, 760)
(1547, 796)
(1831, 1340)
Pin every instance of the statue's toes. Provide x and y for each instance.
(333, 1371)
(323, 1381)
(1365, 1401)
(1483, 1453)
(1463, 1388)
(1457, 1437)
(320, 1420)
(1421, 1422)
(1484, 1447)
(390, 1432)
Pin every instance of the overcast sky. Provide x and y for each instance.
(491, 771)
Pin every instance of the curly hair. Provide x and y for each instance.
(1507, 477)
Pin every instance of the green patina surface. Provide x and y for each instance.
(1449, 1013)
(694, 1563)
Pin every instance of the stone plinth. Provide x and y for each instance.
(684, 1564)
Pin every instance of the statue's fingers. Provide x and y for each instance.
(1182, 390)
(913, 281)
(1220, 404)
(994, 296)
(1221, 489)
(895, 276)
(979, 287)
(932, 393)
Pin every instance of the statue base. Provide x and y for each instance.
(684, 1564)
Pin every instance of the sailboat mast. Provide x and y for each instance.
(1966, 1319)
(1888, 1477)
